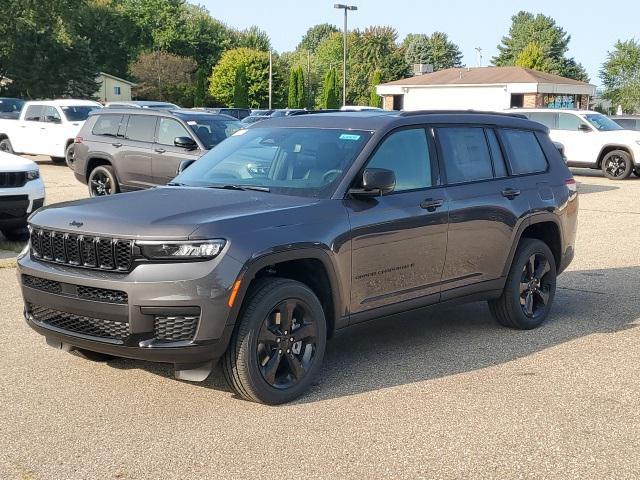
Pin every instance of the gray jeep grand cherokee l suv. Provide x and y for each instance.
(358, 215)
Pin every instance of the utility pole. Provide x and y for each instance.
(344, 50)
(270, 78)
(479, 56)
(308, 78)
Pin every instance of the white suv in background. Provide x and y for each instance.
(591, 140)
(21, 193)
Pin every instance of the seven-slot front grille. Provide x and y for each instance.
(86, 251)
(12, 179)
(94, 327)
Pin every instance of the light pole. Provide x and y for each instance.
(344, 51)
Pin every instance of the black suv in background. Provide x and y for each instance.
(238, 113)
(352, 217)
(132, 149)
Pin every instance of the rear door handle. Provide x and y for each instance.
(510, 193)
(431, 204)
(160, 150)
(117, 144)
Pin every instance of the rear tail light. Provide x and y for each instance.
(77, 140)
(571, 185)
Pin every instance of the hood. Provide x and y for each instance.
(161, 213)
(621, 136)
(14, 163)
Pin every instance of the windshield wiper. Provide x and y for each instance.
(176, 184)
(241, 187)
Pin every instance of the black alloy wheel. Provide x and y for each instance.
(287, 343)
(102, 181)
(617, 165)
(534, 287)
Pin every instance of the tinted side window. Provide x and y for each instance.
(499, 167)
(567, 121)
(141, 128)
(626, 123)
(406, 152)
(465, 154)
(51, 115)
(34, 113)
(107, 125)
(549, 120)
(169, 130)
(524, 151)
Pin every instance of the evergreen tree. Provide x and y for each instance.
(301, 90)
(292, 98)
(374, 98)
(330, 90)
(240, 90)
(199, 96)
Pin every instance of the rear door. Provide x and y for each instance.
(135, 155)
(29, 133)
(486, 206)
(166, 155)
(399, 240)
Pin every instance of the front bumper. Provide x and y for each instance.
(134, 315)
(16, 204)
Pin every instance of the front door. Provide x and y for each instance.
(581, 147)
(399, 240)
(167, 156)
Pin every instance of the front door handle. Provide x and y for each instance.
(160, 150)
(430, 204)
(117, 144)
(510, 193)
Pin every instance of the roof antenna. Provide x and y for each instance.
(479, 56)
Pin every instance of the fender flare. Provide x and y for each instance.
(258, 262)
(541, 217)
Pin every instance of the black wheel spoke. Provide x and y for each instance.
(528, 303)
(286, 315)
(531, 267)
(267, 336)
(304, 331)
(542, 269)
(297, 369)
(543, 296)
(271, 367)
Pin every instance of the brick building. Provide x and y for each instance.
(485, 88)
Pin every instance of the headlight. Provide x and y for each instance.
(183, 250)
(33, 174)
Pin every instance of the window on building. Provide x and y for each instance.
(141, 128)
(524, 151)
(406, 152)
(116, 90)
(517, 100)
(561, 101)
(465, 154)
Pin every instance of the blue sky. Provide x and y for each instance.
(594, 26)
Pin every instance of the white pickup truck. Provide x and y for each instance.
(46, 127)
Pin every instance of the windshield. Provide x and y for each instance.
(78, 113)
(602, 123)
(211, 131)
(306, 162)
(10, 105)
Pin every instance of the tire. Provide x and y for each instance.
(93, 356)
(58, 160)
(16, 234)
(617, 165)
(510, 310)
(102, 181)
(636, 172)
(5, 146)
(69, 157)
(261, 363)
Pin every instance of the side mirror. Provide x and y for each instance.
(184, 164)
(375, 182)
(185, 142)
(584, 128)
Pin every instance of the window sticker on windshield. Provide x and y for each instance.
(239, 132)
(349, 136)
(297, 148)
(191, 122)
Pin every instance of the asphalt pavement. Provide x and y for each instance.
(434, 394)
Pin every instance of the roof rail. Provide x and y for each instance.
(462, 112)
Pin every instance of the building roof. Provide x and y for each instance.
(485, 76)
(103, 74)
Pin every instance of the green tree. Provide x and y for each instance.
(315, 35)
(43, 50)
(200, 94)
(292, 99)
(374, 98)
(535, 57)
(330, 93)
(436, 50)
(301, 99)
(240, 89)
(256, 62)
(253, 38)
(620, 75)
(552, 39)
